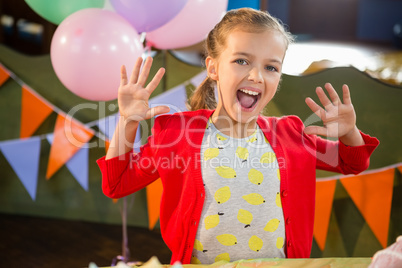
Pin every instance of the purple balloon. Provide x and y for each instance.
(148, 15)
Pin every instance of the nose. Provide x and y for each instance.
(255, 75)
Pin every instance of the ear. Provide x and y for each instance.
(211, 65)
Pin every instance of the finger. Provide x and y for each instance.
(332, 93)
(315, 130)
(136, 71)
(123, 75)
(346, 95)
(142, 79)
(326, 103)
(155, 80)
(314, 106)
(154, 111)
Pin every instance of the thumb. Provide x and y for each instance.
(154, 111)
(315, 130)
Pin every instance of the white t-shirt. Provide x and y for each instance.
(242, 217)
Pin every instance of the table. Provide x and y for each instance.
(264, 263)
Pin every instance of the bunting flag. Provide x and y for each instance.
(325, 190)
(108, 124)
(34, 110)
(372, 194)
(23, 156)
(175, 98)
(69, 137)
(77, 165)
(199, 78)
(154, 196)
(4, 75)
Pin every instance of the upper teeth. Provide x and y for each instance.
(249, 92)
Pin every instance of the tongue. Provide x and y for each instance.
(245, 99)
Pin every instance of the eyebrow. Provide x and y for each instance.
(250, 55)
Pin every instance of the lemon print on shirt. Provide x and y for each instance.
(278, 173)
(226, 172)
(255, 243)
(242, 153)
(198, 246)
(219, 137)
(254, 199)
(245, 217)
(279, 242)
(227, 239)
(194, 260)
(266, 140)
(253, 139)
(222, 195)
(278, 200)
(212, 221)
(268, 158)
(211, 153)
(255, 176)
(272, 225)
(222, 257)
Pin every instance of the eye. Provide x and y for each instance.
(241, 61)
(271, 68)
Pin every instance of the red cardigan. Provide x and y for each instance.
(173, 154)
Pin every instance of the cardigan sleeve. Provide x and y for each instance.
(334, 155)
(130, 172)
(338, 157)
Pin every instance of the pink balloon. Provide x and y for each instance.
(190, 26)
(88, 49)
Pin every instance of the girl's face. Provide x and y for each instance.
(247, 73)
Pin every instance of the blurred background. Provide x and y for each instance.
(64, 220)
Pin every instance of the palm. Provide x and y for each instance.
(133, 95)
(338, 118)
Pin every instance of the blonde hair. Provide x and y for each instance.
(245, 19)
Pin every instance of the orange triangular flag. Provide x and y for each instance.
(400, 169)
(372, 194)
(69, 137)
(154, 196)
(3, 76)
(33, 112)
(323, 205)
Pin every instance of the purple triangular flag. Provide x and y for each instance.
(23, 156)
(78, 164)
(108, 124)
(175, 98)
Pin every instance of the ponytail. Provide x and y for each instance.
(203, 96)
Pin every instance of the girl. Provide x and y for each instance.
(237, 185)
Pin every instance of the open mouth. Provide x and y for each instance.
(247, 98)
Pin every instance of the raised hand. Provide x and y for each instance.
(133, 95)
(339, 118)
